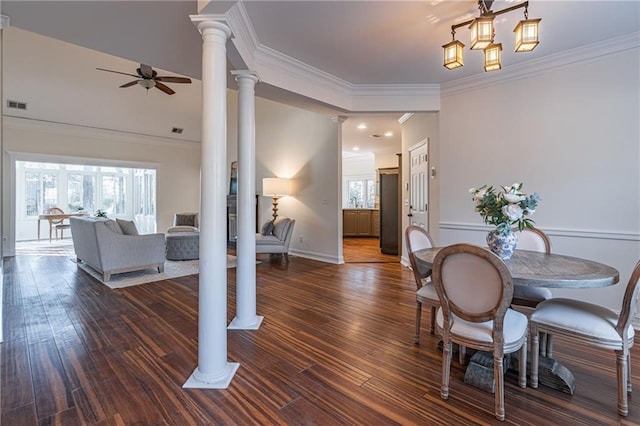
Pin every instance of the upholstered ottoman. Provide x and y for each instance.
(183, 245)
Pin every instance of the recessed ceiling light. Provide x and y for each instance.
(355, 148)
(388, 134)
(362, 126)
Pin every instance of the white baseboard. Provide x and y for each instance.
(318, 256)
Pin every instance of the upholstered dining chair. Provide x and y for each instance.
(592, 325)
(417, 238)
(57, 224)
(475, 290)
(533, 239)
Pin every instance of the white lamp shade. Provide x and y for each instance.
(275, 187)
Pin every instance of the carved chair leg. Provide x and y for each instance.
(523, 366)
(416, 338)
(629, 386)
(433, 320)
(622, 369)
(535, 356)
(462, 354)
(446, 367)
(549, 345)
(498, 375)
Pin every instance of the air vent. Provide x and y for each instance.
(177, 130)
(16, 105)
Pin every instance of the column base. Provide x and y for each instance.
(198, 381)
(251, 324)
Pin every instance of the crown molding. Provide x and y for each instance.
(291, 74)
(538, 66)
(405, 117)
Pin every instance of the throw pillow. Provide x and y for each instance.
(187, 219)
(128, 227)
(113, 226)
(267, 228)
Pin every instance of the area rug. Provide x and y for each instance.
(172, 269)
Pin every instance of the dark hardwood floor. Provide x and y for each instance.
(336, 347)
(365, 250)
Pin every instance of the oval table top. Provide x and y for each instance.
(535, 269)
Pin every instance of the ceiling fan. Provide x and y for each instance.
(148, 78)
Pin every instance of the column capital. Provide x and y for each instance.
(4, 21)
(339, 118)
(246, 74)
(216, 22)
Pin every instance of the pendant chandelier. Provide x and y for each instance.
(482, 37)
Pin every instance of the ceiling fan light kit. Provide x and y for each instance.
(148, 78)
(482, 35)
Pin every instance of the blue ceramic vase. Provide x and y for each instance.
(502, 244)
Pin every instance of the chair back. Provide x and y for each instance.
(629, 302)
(533, 239)
(473, 284)
(417, 238)
(55, 210)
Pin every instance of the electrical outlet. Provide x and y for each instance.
(301, 239)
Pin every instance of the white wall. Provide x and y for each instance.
(305, 147)
(419, 127)
(572, 135)
(177, 162)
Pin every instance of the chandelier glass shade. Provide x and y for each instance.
(492, 57)
(453, 54)
(481, 30)
(527, 35)
(482, 35)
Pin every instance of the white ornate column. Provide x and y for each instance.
(213, 370)
(246, 318)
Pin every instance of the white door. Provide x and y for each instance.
(419, 184)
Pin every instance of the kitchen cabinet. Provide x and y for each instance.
(360, 223)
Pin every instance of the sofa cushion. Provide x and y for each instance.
(280, 227)
(113, 226)
(267, 228)
(128, 227)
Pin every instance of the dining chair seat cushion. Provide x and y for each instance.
(515, 329)
(427, 293)
(577, 317)
(537, 294)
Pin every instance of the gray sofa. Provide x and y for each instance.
(275, 237)
(103, 245)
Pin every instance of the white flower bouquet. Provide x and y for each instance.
(505, 208)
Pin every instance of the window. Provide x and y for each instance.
(121, 192)
(41, 192)
(362, 193)
(81, 194)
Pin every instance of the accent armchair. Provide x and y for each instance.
(275, 237)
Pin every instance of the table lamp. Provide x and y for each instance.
(275, 187)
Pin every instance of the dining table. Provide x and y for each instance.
(536, 269)
(57, 216)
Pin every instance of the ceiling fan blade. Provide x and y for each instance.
(129, 84)
(117, 72)
(145, 71)
(168, 79)
(164, 88)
